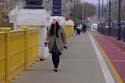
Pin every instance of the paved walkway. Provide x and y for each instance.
(79, 64)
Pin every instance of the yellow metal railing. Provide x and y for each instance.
(32, 46)
(68, 30)
(2, 57)
(18, 50)
(15, 52)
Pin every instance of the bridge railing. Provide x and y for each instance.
(2, 57)
(18, 50)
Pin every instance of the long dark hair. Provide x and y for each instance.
(51, 31)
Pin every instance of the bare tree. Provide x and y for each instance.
(83, 9)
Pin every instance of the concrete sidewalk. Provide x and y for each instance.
(79, 64)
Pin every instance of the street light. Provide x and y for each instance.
(102, 8)
(109, 22)
(119, 21)
(102, 18)
(99, 9)
(83, 12)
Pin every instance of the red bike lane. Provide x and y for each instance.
(115, 51)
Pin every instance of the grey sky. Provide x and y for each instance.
(94, 1)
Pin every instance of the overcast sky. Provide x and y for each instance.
(94, 1)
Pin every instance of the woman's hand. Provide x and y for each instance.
(65, 46)
(45, 43)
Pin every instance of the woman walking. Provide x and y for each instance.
(56, 40)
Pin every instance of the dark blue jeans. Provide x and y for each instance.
(56, 60)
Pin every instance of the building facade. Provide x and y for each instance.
(66, 5)
(47, 5)
(8, 5)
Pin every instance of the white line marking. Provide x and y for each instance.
(104, 67)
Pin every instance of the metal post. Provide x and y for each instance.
(85, 12)
(119, 21)
(102, 8)
(99, 9)
(102, 18)
(109, 31)
(82, 12)
(99, 27)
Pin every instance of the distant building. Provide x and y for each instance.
(8, 5)
(4, 5)
(47, 4)
(67, 5)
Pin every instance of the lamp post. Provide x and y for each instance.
(102, 18)
(99, 16)
(99, 9)
(119, 21)
(109, 22)
(83, 12)
(102, 8)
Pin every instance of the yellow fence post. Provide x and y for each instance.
(2, 57)
(25, 28)
(23, 46)
(36, 40)
(68, 30)
(7, 77)
(35, 44)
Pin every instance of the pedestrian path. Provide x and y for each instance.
(79, 64)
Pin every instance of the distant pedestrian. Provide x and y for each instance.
(56, 41)
(84, 27)
(75, 25)
(78, 30)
